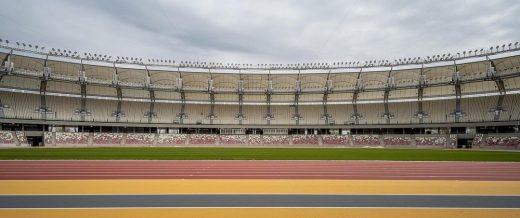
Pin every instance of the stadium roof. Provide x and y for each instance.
(30, 50)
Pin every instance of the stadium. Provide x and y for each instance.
(65, 98)
(108, 111)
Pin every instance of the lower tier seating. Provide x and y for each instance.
(10, 138)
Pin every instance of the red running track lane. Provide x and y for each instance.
(142, 169)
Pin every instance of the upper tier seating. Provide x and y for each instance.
(22, 106)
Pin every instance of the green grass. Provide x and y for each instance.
(172, 153)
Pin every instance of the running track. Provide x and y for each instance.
(381, 170)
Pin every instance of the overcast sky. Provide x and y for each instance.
(277, 31)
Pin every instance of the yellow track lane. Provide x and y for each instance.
(259, 187)
(260, 213)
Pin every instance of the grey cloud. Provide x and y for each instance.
(263, 31)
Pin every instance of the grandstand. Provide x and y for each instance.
(65, 98)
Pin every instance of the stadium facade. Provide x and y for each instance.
(55, 97)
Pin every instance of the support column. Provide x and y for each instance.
(82, 111)
(356, 116)
(43, 109)
(326, 116)
(182, 114)
(7, 65)
(491, 74)
(240, 116)
(119, 112)
(269, 91)
(211, 116)
(390, 85)
(458, 113)
(296, 116)
(150, 115)
(423, 83)
(387, 115)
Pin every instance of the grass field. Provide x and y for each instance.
(172, 153)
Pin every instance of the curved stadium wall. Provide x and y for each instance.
(60, 91)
